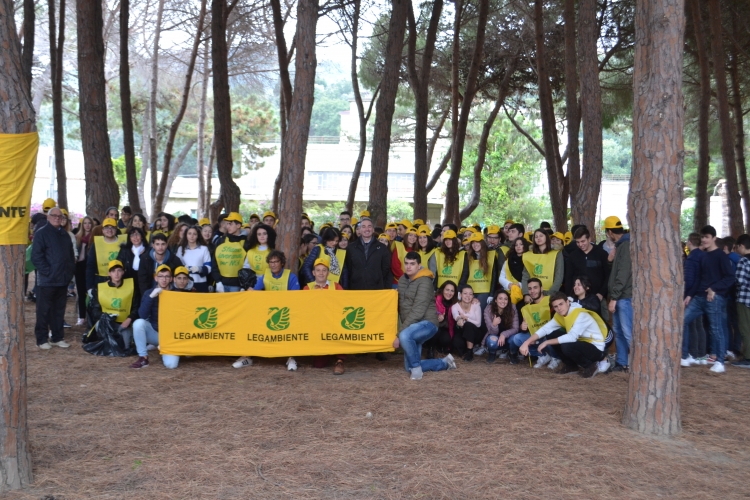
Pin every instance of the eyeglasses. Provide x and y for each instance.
(274, 262)
(56, 216)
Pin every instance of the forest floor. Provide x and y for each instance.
(99, 429)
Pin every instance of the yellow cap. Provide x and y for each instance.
(64, 212)
(527, 236)
(323, 261)
(305, 216)
(345, 236)
(462, 229)
(48, 204)
(612, 222)
(269, 213)
(424, 227)
(470, 229)
(163, 267)
(385, 238)
(475, 237)
(406, 223)
(424, 232)
(493, 229)
(181, 270)
(559, 236)
(109, 223)
(509, 221)
(113, 264)
(449, 234)
(391, 225)
(204, 222)
(364, 213)
(254, 216)
(325, 225)
(477, 226)
(245, 225)
(412, 230)
(354, 221)
(418, 222)
(233, 217)
(568, 237)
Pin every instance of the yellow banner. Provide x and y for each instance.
(277, 324)
(17, 170)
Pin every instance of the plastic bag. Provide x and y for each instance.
(247, 278)
(105, 339)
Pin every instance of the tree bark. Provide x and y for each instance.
(29, 29)
(739, 143)
(280, 175)
(101, 187)
(476, 191)
(572, 109)
(229, 194)
(384, 109)
(160, 194)
(153, 140)
(16, 117)
(56, 72)
(457, 151)
(736, 226)
(201, 155)
(213, 211)
(145, 159)
(295, 144)
(451, 188)
(419, 81)
(285, 97)
(126, 109)
(702, 205)
(587, 197)
(652, 405)
(555, 177)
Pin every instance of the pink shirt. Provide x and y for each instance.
(474, 316)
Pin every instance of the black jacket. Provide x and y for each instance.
(148, 267)
(53, 257)
(594, 264)
(126, 257)
(372, 272)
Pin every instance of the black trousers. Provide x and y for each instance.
(468, 333)
(441, 341)
(81, 287)
(50, 312)
(579, 353)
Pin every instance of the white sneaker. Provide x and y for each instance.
(478, 351)
(291, 365)
(718, 368)
(542, 360)
(603, 366)
(689, 361)
(503, 355)
(61, 343)
(730, 355)
(450, 361)
(554, 363)
(242, 362)
(81, 322)
(150, 347)
(416, 373)
(45, 346)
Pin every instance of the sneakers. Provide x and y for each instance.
(590, 371)
(553, 364)
(689, 361)
(710, 360)
(141, 362)
(703, 360)
(491, 357)
(66, 325)
(513, 358)
(45, 346)
(503, 354)
(718, 368)
(542, 360)
(478, 351)
(81, 322)
(338, 369)
(450, 362)
(469, 356)
(730, 355)
(291, 365)
(745, 363)
(150, 347)
(416, 373)
(242, 362)
(604, 366)
(61, 343)
(620, 368)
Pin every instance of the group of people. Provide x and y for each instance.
(463, 291)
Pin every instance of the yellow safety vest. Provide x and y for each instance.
(480, 282)
(536, 315)
(117, 300)
(230, 257)
(504, 249)
(106, 252)
(567, 323)
(340, 256)
(446, 271)
(276, 285)
(311, 286)
(541, 266)
(426, 256)
(401, 251)
(257, 259)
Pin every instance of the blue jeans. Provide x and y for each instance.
(517, 340)
(716, 311)
(622, 324)
(231, 288)
(493, 343)
(144, 333)
(411, 339)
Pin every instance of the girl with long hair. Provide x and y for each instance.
(131, 252)
(400, 249)
(446, 296)
(543, 263)
(83, 243)
(483, 269)
(176, 237)
(501, 319)
(260, 242)
(196, 257)
(467, 330)
(450, 260)
(330, 237)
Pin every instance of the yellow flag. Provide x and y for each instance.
(17, 171)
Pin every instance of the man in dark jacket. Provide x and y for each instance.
(368, 261)
(620, 301)
(158, 254)
(691, 268)
(587, 260)
(418, 315)
(53, 257)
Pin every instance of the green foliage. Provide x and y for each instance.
(686, 222)
(330, 99)
(118, 166)
(254, 119)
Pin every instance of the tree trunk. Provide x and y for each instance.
(178, 162)
(702, 205)
(202, 205)
(457, 151)
(56, 71)
(652, 405)
(591, 113)
(285, 97)
(295, 145)
(280, 175)
(419, 81)
(29, 28)
(101, 188)
(213, 210)
(16, 117)
(736, 227)
(153, 139)
(572, 109)
(451, 188)
(145, 160)
(476, 191)
(441, 168)
(739, 143)
(384, 109)
(229, 194)
(126, 108)
(549, 127)
(160, 194)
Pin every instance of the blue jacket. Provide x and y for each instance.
(716, 273)
(692, 269)
(53, 257)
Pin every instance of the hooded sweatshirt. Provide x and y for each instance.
(416, 299)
